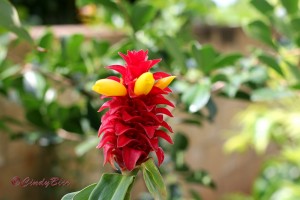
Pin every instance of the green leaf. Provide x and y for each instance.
(197, 96)
(261, 31)
(271, 62)
(173, 49)
(226, 60)
(10, 21)
(263, 6)
(212, 108)
(201, 177)
(46, 41)
(101, 47)
(34, 83)
(141, 15)
(294, 70)
(154, 180)
(267, 94)
(74, 47)
(295, 22)
(291, 6)
(69, 196)
(180, 142)
(112, 186)
(205, 56)
(80, 195)
(85, 192)
(195, 195)
(86, 145)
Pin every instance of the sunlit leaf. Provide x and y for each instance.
(261, 31)
(262, 134)
(85, 146)
(197, 96)
(10, 21)
(263, 6)
(271, 62)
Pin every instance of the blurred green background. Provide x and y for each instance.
(237, 91)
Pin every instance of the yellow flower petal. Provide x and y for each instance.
(144, 84)
(164, 82)
(109, 87)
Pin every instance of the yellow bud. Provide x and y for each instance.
(164, 82)
(109, 87)
(144, 84)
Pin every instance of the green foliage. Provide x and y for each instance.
(82, 194)
(10, 21)
(275, 118)
(291, 6)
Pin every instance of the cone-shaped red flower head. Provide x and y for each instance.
(132, 126)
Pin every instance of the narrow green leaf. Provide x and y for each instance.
(69, 196)
(205, 56)
(80, 195)
(263, 6)
(154, 180)
(261, 31)
(226, 60)
(271, 62)
(10, 21)
(212, 109)
(294, 70)
(141, 15)
(85, 192)
(112, 186)
(291, 6)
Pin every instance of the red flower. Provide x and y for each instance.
(132, 126)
